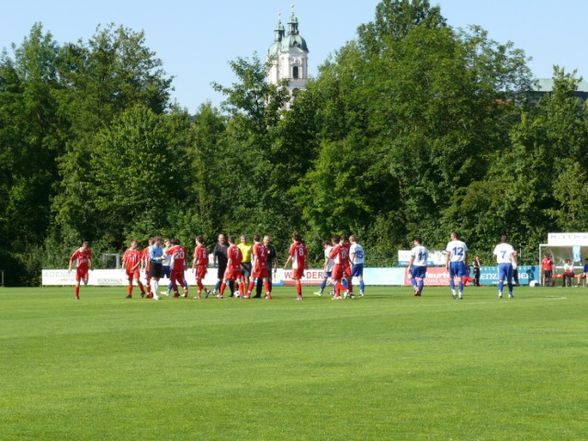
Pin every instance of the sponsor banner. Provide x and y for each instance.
(489, 274)
(372, 276)
(436, 258)
(439, 276)
(567, 239)
(116, 277)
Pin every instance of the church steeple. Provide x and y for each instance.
(288, 56)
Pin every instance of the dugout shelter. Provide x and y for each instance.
(562, 246)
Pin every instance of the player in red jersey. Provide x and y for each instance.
(297, 256)
(346, 262)
(145, 267)
(260, 268)
(131, 261)
(337, 254)
(200, 265)
(178, 266)
(83, 258)
(233, 272)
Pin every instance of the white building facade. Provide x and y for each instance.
(288, 57)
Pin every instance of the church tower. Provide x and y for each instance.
(288, 56)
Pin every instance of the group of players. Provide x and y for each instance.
(241, 267)
(456, 253)
(343, 260)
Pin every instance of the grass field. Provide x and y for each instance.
(386, 367)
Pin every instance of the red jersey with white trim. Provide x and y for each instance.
(260, 253)
(132, 259)
(82, 258)
(235, 256)
(345, 254)
(298, 253)
(178, 253)
(201, 255)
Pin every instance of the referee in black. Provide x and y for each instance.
(220, 261)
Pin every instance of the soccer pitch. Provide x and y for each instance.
(386, 367)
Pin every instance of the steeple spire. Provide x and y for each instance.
(293, 23)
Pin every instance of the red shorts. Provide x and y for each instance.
(81, 274)
(177, 277)
(201, 271)
(233, 273)
(347, 271)
(337, 273)
(260, 272)
(297, 273)
(133, 274)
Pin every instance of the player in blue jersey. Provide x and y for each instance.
(357, 257)
(456, 263)
(417, 268)
(506, 259)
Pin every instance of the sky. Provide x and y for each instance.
(196, 39)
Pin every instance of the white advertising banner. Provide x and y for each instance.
(567, 239)
(372, 276)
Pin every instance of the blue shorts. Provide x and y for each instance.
(357, 270)
(419, 272)
(457, 269)
(505, 272)
(167, 272)
(327, 274)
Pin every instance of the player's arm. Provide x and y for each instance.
(71, 259)
(90, 263)
(288, 260)
(447, 258)
(410, 263)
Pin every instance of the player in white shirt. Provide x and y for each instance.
(417, 268)
(456, 263)
(327, 269)
(506, 258)
(357, 257)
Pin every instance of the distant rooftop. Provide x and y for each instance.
(546, 85)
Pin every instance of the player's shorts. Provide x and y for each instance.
(457, 269)
(233, 273)
(337, 273)
(246, 269)
(133, 274)
(297, 273)
(260, 272)
(548, 274)
(347, 271)
(327, 274)
(505, 271)
(156, 270)
(419, 272)
(201, 271)
(177, 277)
(357, 270)
(81, 274)
(167, 271)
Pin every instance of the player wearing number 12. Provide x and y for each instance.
(417, 268)
(506, 258)
(456, 263)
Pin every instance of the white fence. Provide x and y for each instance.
(372, 276)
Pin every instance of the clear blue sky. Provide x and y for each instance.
(195, 39)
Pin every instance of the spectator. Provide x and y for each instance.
(547, 273)
(477, 264)
(568, 273)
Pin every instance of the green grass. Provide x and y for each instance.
(386, 367)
